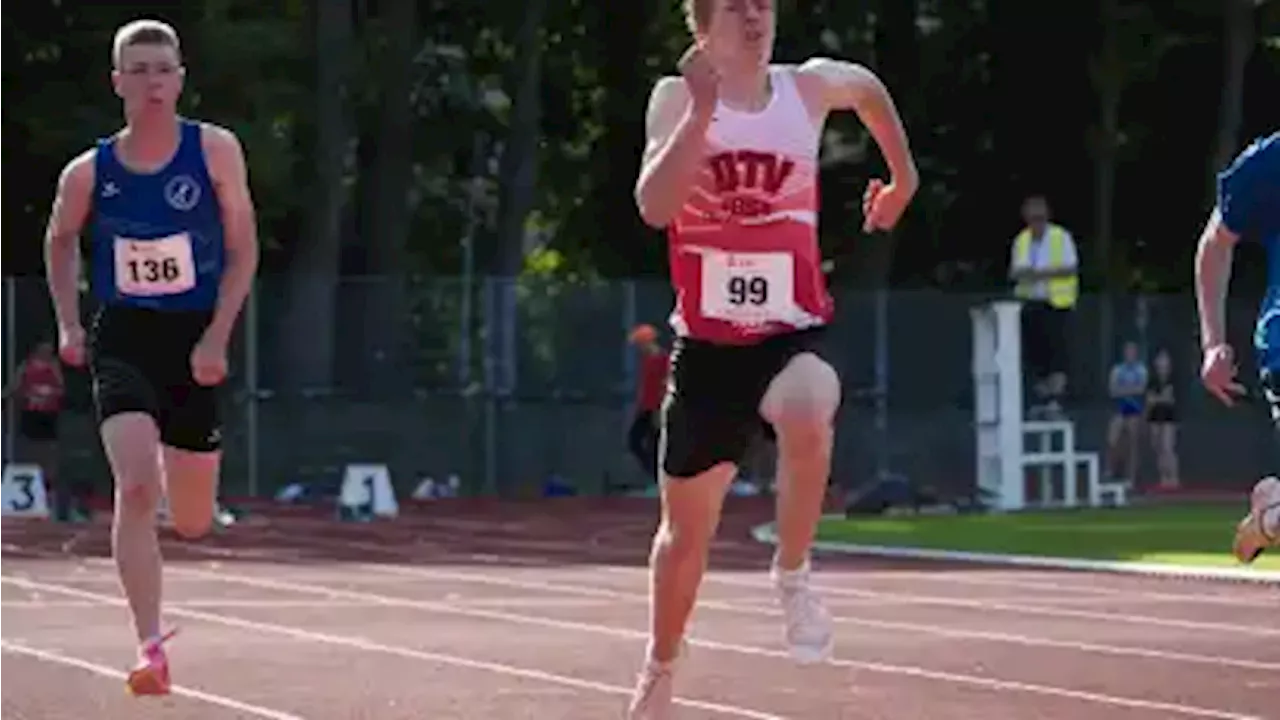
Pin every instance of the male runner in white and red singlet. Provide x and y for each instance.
(730, 170)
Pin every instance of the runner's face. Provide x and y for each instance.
(740, 32)
(149, 78)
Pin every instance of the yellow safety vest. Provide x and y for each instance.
(1063, 291)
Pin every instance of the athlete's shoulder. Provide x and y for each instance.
(74, 195)
(223, 153)
(1262, 156)
(668, 90)
(1242, 187)
(217, 138)
(828, 68)
(818, 64)
(667, 103)
(840, 83)
(78, 173)
(1257, 163)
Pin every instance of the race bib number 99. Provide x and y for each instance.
(748, 288)
(149, 268)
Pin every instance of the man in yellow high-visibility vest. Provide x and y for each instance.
(1044, 268)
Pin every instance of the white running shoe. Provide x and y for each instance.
(654, 694)
(1257, 532)
(809, 633)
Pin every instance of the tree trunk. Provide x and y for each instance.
(518, 168)
(612, 205)
(388, 222)
(307, 337)
(1109, 81)
(1238, 42)
(517, 178)
(897, 63)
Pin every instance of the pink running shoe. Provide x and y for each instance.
(151, 675)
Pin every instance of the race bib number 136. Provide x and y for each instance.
(148, 268)
(748, 288)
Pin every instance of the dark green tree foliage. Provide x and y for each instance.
(1118, 110)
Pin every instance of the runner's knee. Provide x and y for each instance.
(137, 499)
(682, 539)
(691, 510)
(695, 526)
(131, 440)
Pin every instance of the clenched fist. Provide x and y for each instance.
(701, 78)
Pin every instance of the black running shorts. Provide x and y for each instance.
(140, 361)
(711, 413)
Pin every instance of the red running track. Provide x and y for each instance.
(538, 610)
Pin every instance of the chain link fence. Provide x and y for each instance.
(508, 382)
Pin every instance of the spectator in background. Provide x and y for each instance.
(1128, 385)
(1162, 418)
(642, 439)
(1044, 268)
(39, 390)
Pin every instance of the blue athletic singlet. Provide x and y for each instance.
(157, 237)
(1249, 200)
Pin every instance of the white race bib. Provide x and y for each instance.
(149, 268)
(748, 288)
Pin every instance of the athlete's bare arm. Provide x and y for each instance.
(676, 135)
(71, 207)
(1213, 275)
(230, 176)
(843, 85)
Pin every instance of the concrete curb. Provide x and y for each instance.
(765, 534)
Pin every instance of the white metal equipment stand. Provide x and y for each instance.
(1009, 446)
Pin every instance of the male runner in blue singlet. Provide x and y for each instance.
(1248, 207)
(174, 253)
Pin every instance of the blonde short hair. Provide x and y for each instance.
(697, 14)
(143, 32)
